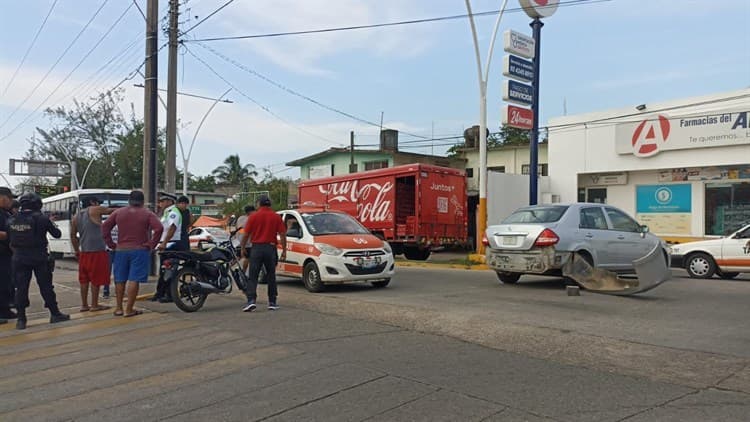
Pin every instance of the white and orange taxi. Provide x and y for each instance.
(332, 247)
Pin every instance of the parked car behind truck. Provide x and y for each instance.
(414, 207)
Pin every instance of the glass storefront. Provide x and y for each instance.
(727, 207)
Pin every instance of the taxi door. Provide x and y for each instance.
(295, 246)
(735, 252)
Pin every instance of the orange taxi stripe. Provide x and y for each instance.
(733, 262)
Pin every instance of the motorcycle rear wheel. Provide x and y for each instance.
(185, 297)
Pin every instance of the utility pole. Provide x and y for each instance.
(170, 173)
(352, 165)
(151, 98)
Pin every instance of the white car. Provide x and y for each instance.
(207, 235)
(331, 247)
(726, 257)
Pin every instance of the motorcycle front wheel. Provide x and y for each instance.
(186, 295)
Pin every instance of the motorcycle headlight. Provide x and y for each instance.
(387, 247)
(328, 249)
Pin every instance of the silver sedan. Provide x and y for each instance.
(542, 239)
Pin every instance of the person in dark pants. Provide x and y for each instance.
(6, 280)
(28, 238)
(187, 221)
(264, 226)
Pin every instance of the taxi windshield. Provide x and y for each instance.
(322, 223)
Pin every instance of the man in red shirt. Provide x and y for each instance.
(138, 233)
(263, 227)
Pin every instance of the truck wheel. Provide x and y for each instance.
(508, 278)
(700, 265)
(397, 248)
(416, 254)
(380, 284)
(311, 278)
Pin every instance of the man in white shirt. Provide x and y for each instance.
(171, 220)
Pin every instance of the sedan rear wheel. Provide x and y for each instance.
(508, 278)
(700, 265)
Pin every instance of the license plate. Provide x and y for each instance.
(509, 240)
(368, 263)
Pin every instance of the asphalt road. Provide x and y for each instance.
(435, 345)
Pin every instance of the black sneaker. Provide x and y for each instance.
(155, 298)
(20, 324)
(249, 307)
(272, 306)
(165, 299)
(55, 318)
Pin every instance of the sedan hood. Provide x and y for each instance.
(351, 241)
(682, 248)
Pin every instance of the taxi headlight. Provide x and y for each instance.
(328, 249)
(387, 247)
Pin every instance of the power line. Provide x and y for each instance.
(55, 64)
(263, 107)
(295, 93)
(28, 50)
(101, 39)
(387, 24)
(207, 17)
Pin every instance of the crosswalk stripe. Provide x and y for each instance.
(75, 346)
(66, 329)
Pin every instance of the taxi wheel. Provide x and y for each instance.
(380, 284)
(311, 278)
(700, 265)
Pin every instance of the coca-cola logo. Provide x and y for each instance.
(372, 205)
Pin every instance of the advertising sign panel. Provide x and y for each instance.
(516, 92)
(518, 43)
(518, 68)
(663, 198)
(518, 117)
(658, 133)
(539, 8)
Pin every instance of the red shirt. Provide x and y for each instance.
(264, 225)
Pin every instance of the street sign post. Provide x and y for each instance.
(518, 68)
(518, 43)
(518, 117)
(518, 93)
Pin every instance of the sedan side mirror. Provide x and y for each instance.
(644, 230)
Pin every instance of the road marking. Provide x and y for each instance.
(144, 388)
(65, 329)
(75, 346)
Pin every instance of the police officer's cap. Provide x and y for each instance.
(167, 197)
(30, 201)
(7, 192)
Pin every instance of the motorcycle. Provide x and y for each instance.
(192, 276)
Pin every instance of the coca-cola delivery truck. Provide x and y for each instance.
(415, 207)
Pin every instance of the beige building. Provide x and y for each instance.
(513, 159)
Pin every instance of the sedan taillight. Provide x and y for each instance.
(546, 238)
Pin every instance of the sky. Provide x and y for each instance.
(420, 78)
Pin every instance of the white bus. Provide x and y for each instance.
(65, 205)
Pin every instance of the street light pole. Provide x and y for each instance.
(186, 158)
(482, 77)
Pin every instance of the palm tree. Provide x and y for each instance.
(233, 172)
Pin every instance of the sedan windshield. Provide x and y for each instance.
(536, 215)
(332, 223)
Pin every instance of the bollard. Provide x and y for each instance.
(573, 290)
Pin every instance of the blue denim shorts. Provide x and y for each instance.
(132, 265)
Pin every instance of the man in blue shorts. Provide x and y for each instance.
(138, 233)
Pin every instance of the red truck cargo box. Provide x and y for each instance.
(410, 205)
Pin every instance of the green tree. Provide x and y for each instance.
(513, 136)
(232, 172)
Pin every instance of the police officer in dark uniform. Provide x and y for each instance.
(28, 239)
(6, 281)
